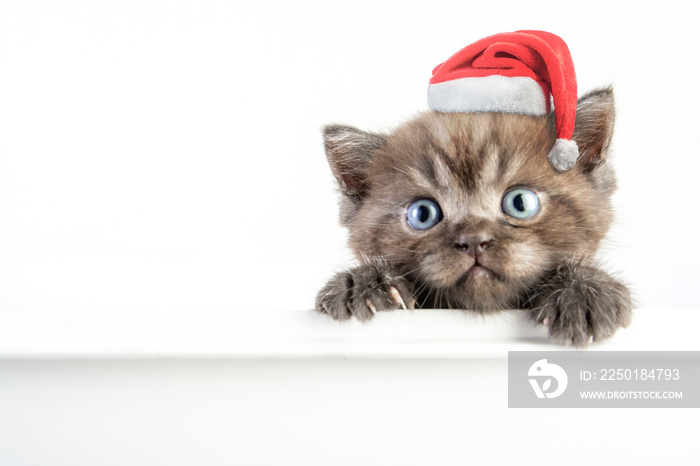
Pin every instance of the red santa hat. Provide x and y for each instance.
(520, 72)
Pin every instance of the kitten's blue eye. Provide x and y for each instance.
(520, 203)
(423, 214)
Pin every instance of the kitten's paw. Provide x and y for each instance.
(362, 292)
(580, 304)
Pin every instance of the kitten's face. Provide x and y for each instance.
(469, 206)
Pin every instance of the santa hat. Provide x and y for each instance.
(521, 72)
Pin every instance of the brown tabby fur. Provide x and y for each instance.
(466, 162)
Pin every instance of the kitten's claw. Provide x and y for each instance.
(579, 304)
(371, 305)
(363, 291)
(396, 296)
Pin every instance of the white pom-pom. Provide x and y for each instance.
(563, 155)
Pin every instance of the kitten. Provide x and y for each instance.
(464, 211)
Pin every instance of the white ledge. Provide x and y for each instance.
(307, 334)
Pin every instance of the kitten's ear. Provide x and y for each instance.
(595, 120)
(349, 151)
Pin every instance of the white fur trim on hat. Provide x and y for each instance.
(563, 155)
(493, 93)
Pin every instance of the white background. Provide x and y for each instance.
(165, 156)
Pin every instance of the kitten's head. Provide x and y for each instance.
(468, 205)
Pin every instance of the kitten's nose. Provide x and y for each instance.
(473, 245)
